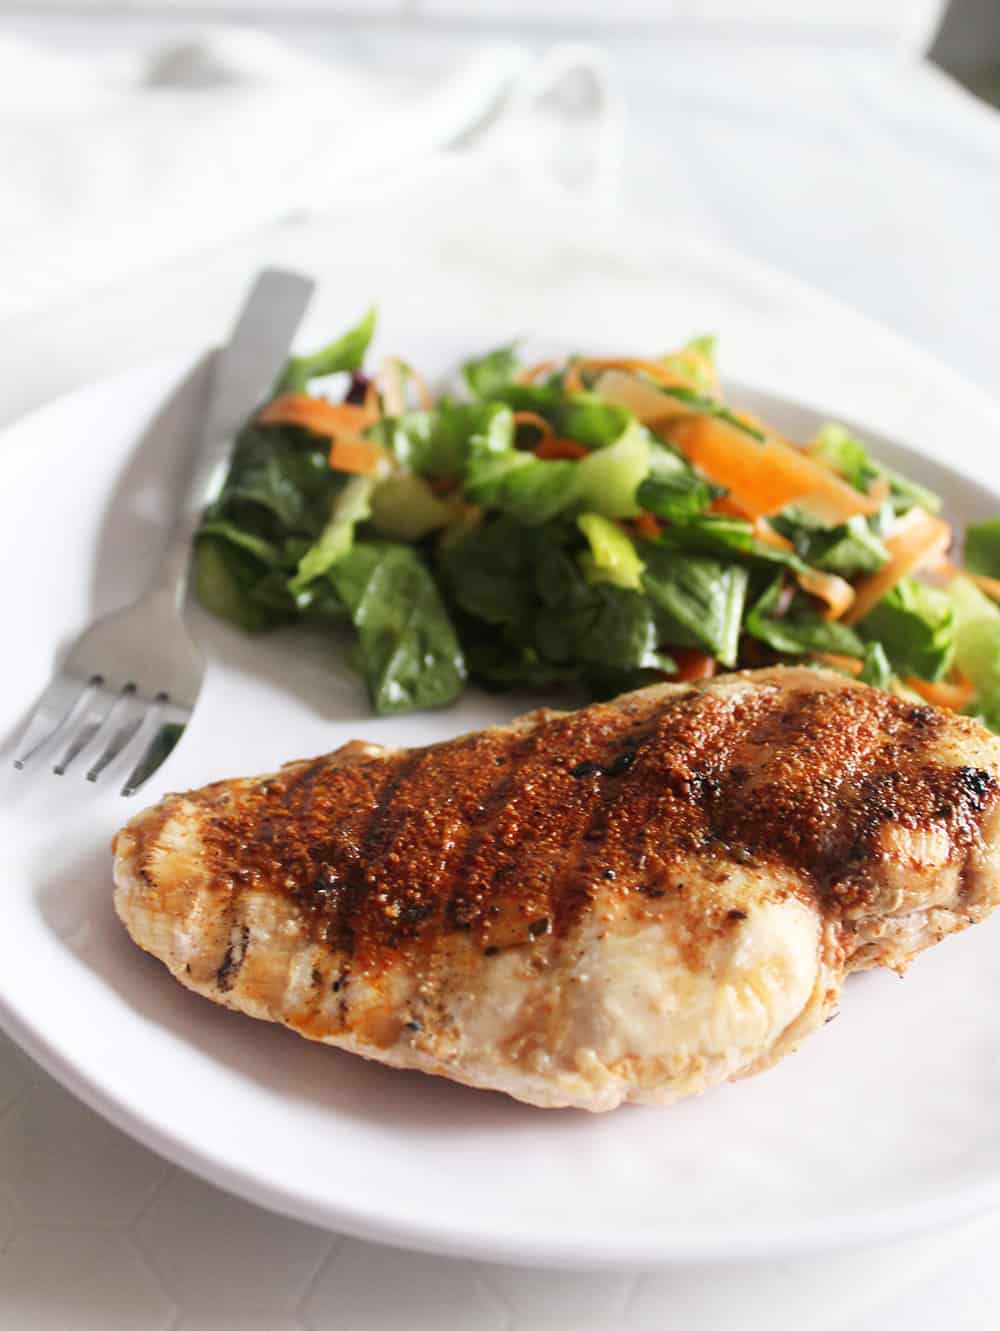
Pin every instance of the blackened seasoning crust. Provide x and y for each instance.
(495, 831)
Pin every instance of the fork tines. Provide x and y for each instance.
(93, 723)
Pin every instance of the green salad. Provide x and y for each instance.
(593, 524)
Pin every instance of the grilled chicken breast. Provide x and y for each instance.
(635, 901)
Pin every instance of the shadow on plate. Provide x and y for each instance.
(75, 902)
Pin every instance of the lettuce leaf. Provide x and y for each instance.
(695, 364)
(603, 628)
(224, 578)
(849, 457)
(408, 650)
(677, 494)
(612, 556)
(346, 353)
(876, 671)
(699, 601)
(849, 548)
(800, 629)
(279, 482)
(608, 479)
(431, 443)
(977, 646)
(405, 508)
(488, 573)
(548, 624)
(498, 475)
(915, 624)
(982, 548)
(351, 506)
(585, 417)
(489, 374)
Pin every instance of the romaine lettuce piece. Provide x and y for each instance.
(528, 488)
(431, 443)
(407, 650)
(488, 573)
(695, 364)
(347, 353)
(699, 601)
(849, 457)
(590, 420)
(915, 623)
(608, 478)
(498, 475)
(977, 645)
(279, 482)
(224, 578)
(677, 494)
(405, 508)
(982, 548)
(849, 548)
(489, 374)
(265, 551)
(876, 671)
(351, 506)
(721, 534)
(612, 556)
(600, 628)
(800, 629)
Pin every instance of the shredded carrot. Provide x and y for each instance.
(991, 586)
(371, 402)
(850, 664)
(531, 373)
(916, 540)
(836, 593)
(729, 508)
(692, 664)
(393, 377)
(390, 382)
(879, 490)
(533, 418)
(424, 395)
(955, 693)
(573, 380)
(316, 414)
(648, 525)
(763, 476)
(554, 448)
(354, 454)
(946, 569)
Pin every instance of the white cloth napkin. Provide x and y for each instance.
(112, 164)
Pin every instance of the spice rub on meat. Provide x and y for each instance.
(634, 901)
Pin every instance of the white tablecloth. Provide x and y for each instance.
(96, 1233)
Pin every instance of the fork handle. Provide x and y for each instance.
(242, 374)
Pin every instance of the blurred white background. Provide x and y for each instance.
(814, 135)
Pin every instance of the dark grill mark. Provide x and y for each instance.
(977, 786)
(613, 768)
(225, 976)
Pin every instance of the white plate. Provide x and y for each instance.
(885, 1122)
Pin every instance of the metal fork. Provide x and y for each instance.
(129, 683)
